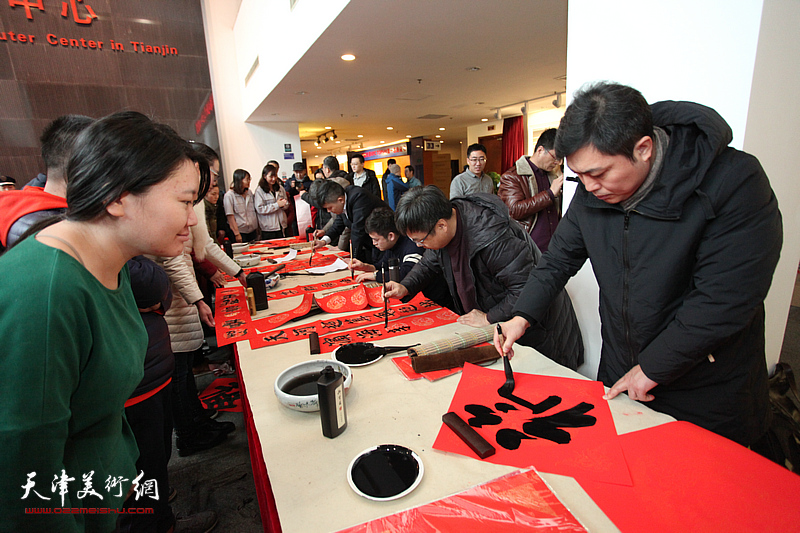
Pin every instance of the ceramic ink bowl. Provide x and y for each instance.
(245, 261)
(296, 387)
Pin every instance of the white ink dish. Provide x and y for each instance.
(293, 387)
(385, 472)
(352, 354)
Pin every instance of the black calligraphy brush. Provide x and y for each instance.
(385, 272)
(313, 245)
(352, 273)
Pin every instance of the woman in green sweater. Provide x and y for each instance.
(73, 342)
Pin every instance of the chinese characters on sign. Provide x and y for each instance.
(114, 486)
(66, 8)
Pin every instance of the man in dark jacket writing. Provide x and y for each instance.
(485, 257)
(683, 233)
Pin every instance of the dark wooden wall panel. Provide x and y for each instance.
(40, 81)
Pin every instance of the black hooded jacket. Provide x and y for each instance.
(501, 255)
(682, 276)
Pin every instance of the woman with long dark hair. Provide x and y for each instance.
(72, 334)
(240, 208)
(271, 204)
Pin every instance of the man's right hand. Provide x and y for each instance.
(360, 265)
(557, 184)
(512, 330)
(395, 290)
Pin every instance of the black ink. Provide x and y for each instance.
(537, 408)
(504, 407)
(481, 416)
(510, 439)
(549, 427)
(302, 385)
(280, 336)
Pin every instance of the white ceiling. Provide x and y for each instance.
(413, 58)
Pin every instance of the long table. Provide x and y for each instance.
(307, 471)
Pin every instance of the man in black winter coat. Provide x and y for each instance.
(683, 233)
(353, 205)
(485, 257)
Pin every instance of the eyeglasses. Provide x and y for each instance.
(551, 154)
(477, 160)
(214, 172)
(422, 240)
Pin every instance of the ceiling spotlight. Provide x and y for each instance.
(438, 136)
(484, 120)
(389, 128)
(441, 129)
(348, 57)
(408, 136)
(334, 136)
(360, 136)
(327, 127)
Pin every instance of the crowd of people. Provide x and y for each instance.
(125, 227)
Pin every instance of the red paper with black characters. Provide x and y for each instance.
(345, 301)
(265, 324)
(315, 287)
(557, 425)
(223, 395)
(418, 305)
(403, 326)
(231, 315)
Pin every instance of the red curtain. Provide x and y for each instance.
(513, 141)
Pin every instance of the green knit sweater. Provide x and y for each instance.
(72, 352)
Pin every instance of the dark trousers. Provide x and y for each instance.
(248, 237)
(185, 404)
(266, 235)
(151, 422)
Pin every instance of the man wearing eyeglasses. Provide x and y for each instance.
(532, 194)
(683, 233)
(485, 258)
(473, 180)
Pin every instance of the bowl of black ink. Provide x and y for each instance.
(296, 387)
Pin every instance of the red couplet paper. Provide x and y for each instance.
(517, 502)
(223, 395)
(688, 479)
(344, 301)
(314, 287)
(403, 326)
(571, 411)
(263, 325)
(231, 316)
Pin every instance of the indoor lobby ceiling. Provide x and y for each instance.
(457, 59)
